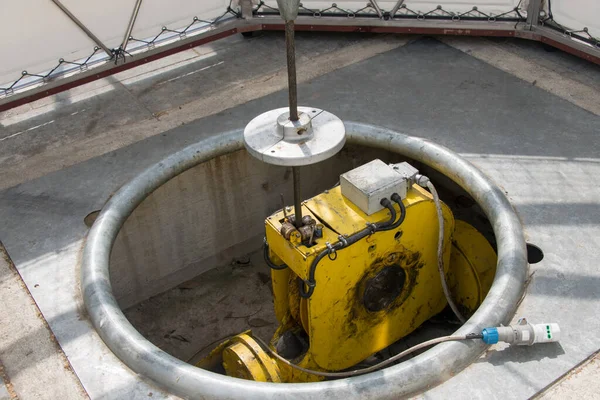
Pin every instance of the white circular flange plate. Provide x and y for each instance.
(264, 138)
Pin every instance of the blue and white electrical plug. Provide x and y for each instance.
(523, 333)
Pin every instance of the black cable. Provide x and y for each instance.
(268, 260)
(398, 200)
(391, 223)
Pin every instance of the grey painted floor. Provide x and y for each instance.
(542, 149)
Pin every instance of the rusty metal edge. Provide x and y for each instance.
(7, 383)
(565, 43)
(109, 68)
(3, 375)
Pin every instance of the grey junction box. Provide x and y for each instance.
(366, 185)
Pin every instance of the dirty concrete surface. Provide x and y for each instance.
(190, 320)
(581, 383)
(105, 115)
(193, 318)
(31, 360)
(68, 153)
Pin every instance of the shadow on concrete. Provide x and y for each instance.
(552, 283)
(496, 114)
(521, 354)
(560, 213)
(27, 345)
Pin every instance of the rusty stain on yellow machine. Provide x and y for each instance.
(366, 296)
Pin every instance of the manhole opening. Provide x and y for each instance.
(534, 254)
(91, 218)
(192, 318)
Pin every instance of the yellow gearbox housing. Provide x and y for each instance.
(367, 295)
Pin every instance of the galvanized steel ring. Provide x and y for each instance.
(407, 378)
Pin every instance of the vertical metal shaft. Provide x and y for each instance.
(297, 197)
(290, 48)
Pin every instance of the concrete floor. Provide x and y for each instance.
(527, 117)
(190, 320)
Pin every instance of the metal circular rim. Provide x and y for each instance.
(327, 146)
(409, 377)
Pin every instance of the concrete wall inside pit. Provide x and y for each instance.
(209, 216)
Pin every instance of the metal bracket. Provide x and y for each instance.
(533, 13)
(246, 8)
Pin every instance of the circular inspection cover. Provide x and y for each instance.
(273, 138)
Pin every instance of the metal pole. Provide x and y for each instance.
(246, 6)
(377, 8)
(134, 15)
(83, 27)
(533, 13)
(297, 197)
(396, 8)
(290, 48)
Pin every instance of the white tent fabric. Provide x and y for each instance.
(37, 34)
(576, 14)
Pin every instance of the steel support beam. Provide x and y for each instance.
(83, 27)
(246, 8)
(396, 8)
(533, 13)
(410, 26)
(377, 8)
(565, 43)
(134, 15)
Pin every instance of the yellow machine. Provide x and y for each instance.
(357, 267)
(347, 284)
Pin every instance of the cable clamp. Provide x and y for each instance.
(331, 254)
(372, 227)
(310, 284)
